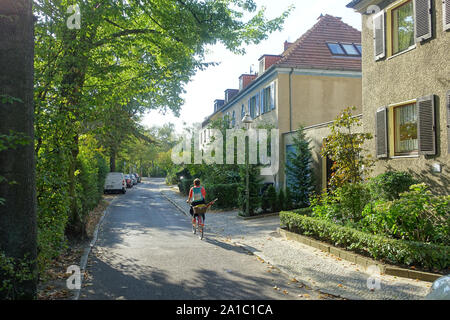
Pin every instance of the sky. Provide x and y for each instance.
(210, 84)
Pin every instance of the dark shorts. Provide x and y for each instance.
(196, 203)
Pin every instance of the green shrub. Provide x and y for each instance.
(272, 198)
(304, 211)
(281, 200)
(417, 216)
(228, 195)
(351, 199)
(288, 202)
(265, 201)
(184, 185)
(389, 185)
(378, 247)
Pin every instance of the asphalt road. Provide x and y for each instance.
(146, 250)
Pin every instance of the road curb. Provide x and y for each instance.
(87, 251)
(360, 260)
(175, 204)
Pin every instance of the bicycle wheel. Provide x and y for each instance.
(200, 227)
(194, 226)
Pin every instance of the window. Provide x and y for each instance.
(345, 49)
(266, 100)
(233, 119)
(350, 50)
(252, 107)
(405, 129)
(359, 47)
(335, 49)
(402, 32)
(242, 112)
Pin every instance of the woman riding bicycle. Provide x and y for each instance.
(197, 195)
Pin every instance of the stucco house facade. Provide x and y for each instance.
(406, 86)
(308, 84)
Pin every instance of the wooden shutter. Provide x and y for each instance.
(448, 122)
(446, 14)
(426, 125)
(272, 96)
(379, 35)
(257, 105)
(381, 134)
(261, 103)
(423, 20)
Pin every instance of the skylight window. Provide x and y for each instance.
(345, 49)
(335, 48)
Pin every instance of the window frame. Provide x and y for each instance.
(392, 130)
(343, 54)
(390, 28)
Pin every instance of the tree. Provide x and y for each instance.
(18, 230)
(125, 51)
(345, 147)
(299, 170)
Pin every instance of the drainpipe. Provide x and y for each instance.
(290, 99)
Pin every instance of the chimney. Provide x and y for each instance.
(230, 94)
(245, 80)
(266, 61)
(287, 45)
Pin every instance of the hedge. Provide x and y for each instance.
(392, 251)
(228, 195)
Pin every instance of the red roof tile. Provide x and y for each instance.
(310, 51)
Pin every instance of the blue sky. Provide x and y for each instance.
(209, 85)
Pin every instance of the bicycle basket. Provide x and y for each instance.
(200, 209)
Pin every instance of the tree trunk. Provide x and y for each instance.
(112, 160)
(18, 222)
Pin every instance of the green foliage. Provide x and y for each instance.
(389, 185)
(288, 202)
(299, 170)
(13, 272)
(228, 195)
(281, 199)
(417, 216)
(272, 198)
(378, 247)
(344, 147)
(184, 185)
(255, 184)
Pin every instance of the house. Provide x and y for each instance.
(406, 86)
(308, 84)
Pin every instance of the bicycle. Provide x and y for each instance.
(198, 226)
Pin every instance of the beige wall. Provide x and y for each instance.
(317, 97)
(419, 72)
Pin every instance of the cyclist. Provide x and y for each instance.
(197, 195)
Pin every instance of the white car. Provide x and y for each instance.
(115, 182)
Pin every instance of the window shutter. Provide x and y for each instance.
(261, 101)
(422, 23)
(381, 134)
(426, 125)
(448, 121)
(446, 14)
(249, 109)
(379, 35)
(272, 96)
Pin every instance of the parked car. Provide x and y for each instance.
(115, 182)
(138, 177)
(133, 178)
(440, 290)
(128, 181)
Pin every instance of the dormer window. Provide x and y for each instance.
(345, 49)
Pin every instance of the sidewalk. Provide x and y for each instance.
(308, 265)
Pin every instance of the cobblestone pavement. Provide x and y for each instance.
(310, 266)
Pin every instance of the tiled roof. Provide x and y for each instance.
(310, 51)
(353, 3)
